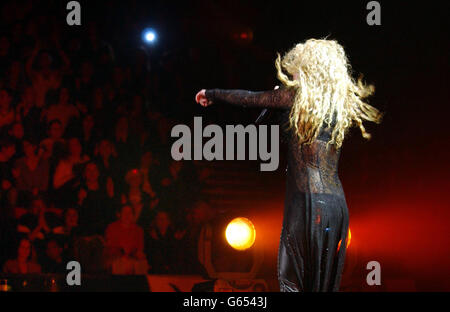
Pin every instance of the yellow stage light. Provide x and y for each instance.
(240, 233)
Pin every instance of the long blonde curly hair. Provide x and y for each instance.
(321, 74)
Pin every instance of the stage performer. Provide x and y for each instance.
(321, 101)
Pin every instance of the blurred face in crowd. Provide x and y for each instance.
(64, 96)
(126, 215)
(105, 148)
(54, 251)
(24, 250)
(162, 221)
(29, 149)
(56, 130)
(91, 172)
(200, 213)
(88, 123)
(71, 218)
(74, 147)
(17, 130)
(5, 100)
(8, 151)
(134, 178)
(37, 206)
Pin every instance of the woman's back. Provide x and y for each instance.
(313, 168)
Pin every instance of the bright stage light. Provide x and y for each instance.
(149, 35)
(240, 233)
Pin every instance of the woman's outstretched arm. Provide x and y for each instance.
(278, 98)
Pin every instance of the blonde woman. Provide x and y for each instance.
(323, 101)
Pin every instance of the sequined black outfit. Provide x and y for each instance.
(310, 256)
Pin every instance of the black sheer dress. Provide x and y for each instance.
(311, 255)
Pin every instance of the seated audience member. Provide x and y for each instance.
(89, 252)
(23, 263)
(16, 132)
(126, 143)
(63, 110)
(55, 133)
(125, 245)
(180, 179)
(68, 175)
(106, 159)
(53, 262)
(95, 201)
(65, 171)
(69, 231)
(7, 189)
(29, 114)
(101, 109)
(7, 113)
(45, 76)
(150, 171)
(89, 135)
(160, 244)
(15, 78)
(7, 152)
(84, 80)
(142, 203)
(70, 225)
(37, 224)
(32, 169)
(136, 115)
(198, 215)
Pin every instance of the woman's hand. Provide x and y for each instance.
(201, 98)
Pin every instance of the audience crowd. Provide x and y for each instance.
(85, 166)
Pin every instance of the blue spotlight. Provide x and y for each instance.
(149, 35)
